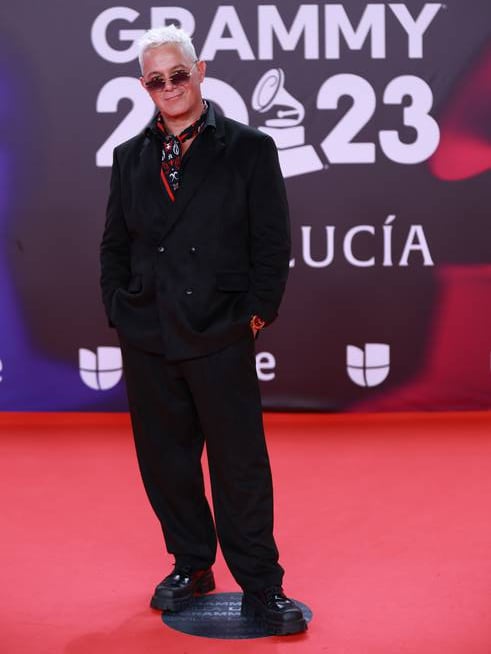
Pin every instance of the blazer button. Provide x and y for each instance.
(161, 249)
(189, 291)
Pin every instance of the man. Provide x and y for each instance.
(194, 261)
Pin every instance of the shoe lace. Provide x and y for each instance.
(182, 571)
(275, 594)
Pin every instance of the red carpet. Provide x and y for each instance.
(382, 522)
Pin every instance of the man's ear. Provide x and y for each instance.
(201, 66)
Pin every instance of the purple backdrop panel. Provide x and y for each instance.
(380, 112)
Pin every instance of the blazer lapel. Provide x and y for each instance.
(150, 179)
(207, 149)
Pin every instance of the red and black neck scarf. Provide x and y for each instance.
(170, 171)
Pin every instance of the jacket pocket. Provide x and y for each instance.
(135, 284)
(233, 281)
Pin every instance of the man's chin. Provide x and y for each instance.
(174, 107)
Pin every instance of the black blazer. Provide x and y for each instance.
(185, 278)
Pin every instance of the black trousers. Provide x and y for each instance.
(177, 407)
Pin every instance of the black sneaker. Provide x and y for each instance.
(177, 590)
(279, 614)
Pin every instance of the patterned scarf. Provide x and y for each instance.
(170, 171)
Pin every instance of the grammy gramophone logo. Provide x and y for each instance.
(285, 125)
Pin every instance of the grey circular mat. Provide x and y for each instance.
(218, 616)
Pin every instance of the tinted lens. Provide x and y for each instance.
(155, 84)
(158, 83)
(179, 77)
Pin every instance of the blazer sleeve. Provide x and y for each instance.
(115, 244)
(269, 230)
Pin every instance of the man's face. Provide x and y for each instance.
(174, 101)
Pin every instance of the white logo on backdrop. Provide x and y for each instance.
(100, 370)
(285, 128)
(368, 366)
(265, 366)
(1, 370)
(341, 143)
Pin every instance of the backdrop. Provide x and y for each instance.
(381, 115)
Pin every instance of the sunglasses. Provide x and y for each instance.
(176, 79)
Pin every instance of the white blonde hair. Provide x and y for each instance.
(158, 36)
